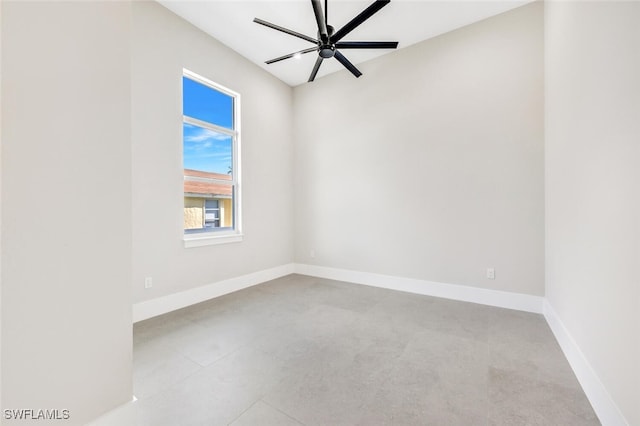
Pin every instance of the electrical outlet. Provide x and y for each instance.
(312, 253)
(491, 273)
(148, 282)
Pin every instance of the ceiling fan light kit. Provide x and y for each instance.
(328, 41)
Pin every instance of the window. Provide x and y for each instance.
(211, 161)
(212, 213)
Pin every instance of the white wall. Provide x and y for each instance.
(162, 45)
(66, 207)
(430, 166)
(0, 204)
(593, 186)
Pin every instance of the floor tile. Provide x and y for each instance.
(312, 351)
(516, 399)
(264, 415)
(155, 369)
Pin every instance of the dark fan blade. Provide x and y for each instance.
(326, 11)
(284, 30)
(316, 67)
(322, 24)
(363, 16)
(367, 45)
(348, 65)
(291, 55)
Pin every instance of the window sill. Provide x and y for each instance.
(210, 240)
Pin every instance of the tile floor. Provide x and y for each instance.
(307, 351)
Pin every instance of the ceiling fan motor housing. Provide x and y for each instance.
(326, 50)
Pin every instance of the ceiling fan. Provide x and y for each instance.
(328, 41)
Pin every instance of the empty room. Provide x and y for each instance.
(320, 212)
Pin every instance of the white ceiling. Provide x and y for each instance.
(405, 21)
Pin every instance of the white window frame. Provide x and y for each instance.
(233, 235)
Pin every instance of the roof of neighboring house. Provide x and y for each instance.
(202, 188)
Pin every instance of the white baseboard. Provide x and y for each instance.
(606, 409)
(119, 416)
(162, 305)
(502, 299)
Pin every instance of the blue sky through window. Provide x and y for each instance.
(203, 149)
(206, 150)
(206, 104)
